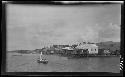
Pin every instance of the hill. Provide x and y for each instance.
(113, 46)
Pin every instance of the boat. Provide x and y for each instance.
(44, 61)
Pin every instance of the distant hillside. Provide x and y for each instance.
(109, 45)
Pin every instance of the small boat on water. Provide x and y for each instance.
(42, 60)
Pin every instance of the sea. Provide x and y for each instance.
(28, 63)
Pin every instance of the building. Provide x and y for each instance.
(68, 48)
(106, 51)
(92, 48)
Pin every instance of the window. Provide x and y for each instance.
(95, 49)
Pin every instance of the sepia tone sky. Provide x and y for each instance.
(32, 26)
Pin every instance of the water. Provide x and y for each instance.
(28, 63)
(92, 64)
(96, 64)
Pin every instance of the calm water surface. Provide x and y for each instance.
(91, 64)
(29, 63)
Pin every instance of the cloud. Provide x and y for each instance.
(29, 26)
(110, 33)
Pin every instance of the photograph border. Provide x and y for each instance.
(4, 41)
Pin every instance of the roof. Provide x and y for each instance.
(68, 48)
(87, 46)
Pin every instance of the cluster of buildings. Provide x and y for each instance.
(82, 48)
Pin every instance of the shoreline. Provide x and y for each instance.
(78, 55)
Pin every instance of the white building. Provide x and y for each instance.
(68, 48)
(92, 48)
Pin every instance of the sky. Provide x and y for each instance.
(32, 27)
